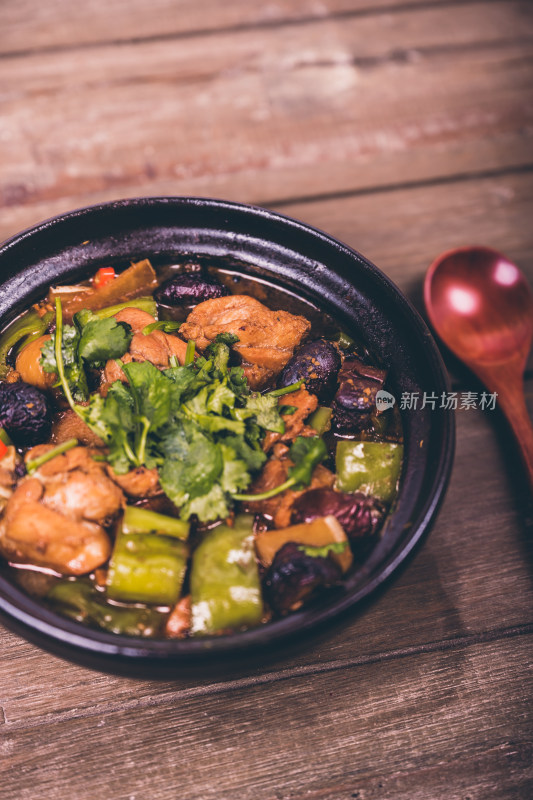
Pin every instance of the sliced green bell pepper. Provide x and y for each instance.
(147, 568)
(79, 600)
(25, 329)
(369, 467)
(142, 520)
(320, 420)
(147, 304)
(345, 341)
(225, 584)
(4, 438)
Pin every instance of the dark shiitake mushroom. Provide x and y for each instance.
(358, 514)
(317, 363)
(294, 576)
(355, 400)
(188, 289)
(24, 414)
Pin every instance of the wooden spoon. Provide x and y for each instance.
(481, 306)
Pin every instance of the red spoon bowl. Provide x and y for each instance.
(481, 306)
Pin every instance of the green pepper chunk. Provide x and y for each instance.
(225, 584)
(147, 568)
(4, 437)
(345, 341)
(147, 304)
(142, 520)
(79, 600)
(369, 467)
(320, 420)
(22, 331)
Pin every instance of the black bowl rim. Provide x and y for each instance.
(30, 618)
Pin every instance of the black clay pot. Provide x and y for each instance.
(309, 263)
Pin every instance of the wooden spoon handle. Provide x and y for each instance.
(509, 385)
(517, 415)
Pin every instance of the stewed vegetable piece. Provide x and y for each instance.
(370, 467)
(188, 289)
(296, 574)
(25, 413)
(225, 584)
(147, 568)
(317, 364)
(359, 515)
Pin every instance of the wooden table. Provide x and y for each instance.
(403, 127)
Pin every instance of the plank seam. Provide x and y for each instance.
(440, 646)
(443, 180)
(251, 26)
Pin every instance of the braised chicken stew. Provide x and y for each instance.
(188, 451)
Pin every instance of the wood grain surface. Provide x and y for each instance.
(403, 128)
(58, 23)
(446, 593)
(398, 727)
(337, 106)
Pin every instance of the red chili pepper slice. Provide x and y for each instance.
(104, 276)
(3, 449)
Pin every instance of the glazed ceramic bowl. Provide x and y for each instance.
(311, 264)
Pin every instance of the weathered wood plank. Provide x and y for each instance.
(403, 231)
(471, 575)
(264, 116)
(59, 23)
(456, 723)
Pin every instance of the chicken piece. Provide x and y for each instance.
(31, 533)
(78, 486)
(138, 483)
(79, 495)
(77, 458)
(279, 508)
(305, 403)
(135, 318)
(113, 372)
(179, 622)
(266, 338)
(8, 477)
(280, 450)
(55, 519)
(156, 347)
(70, 426)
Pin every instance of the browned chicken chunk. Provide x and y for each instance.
(68, 425)
(179, 622)
(279, 508)
(157, 347)
(135, 317)
(304, 403)
(55, 519)
(8, 477)
(266, 338)
(138, 483)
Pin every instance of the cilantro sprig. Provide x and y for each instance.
(198, 423)
(90, 342)
(306, 453)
